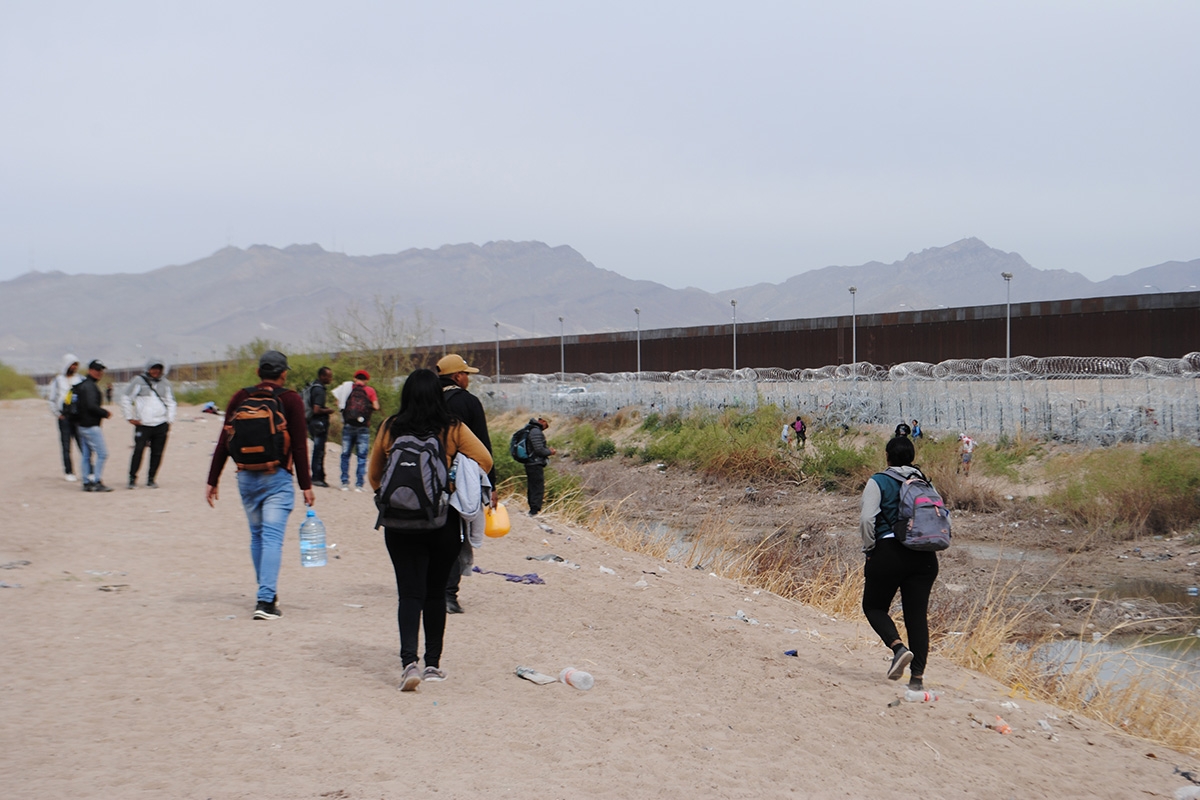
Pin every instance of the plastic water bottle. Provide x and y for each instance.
(577, 678)
(312, 541)
(913, 696)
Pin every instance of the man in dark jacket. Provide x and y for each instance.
(87, 419)
(535, 467)
(318, 424)
(456, 377)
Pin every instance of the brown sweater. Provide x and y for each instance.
(458, 438)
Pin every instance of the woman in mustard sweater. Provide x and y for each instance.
(422, 559)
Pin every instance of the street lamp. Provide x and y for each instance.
(638, 313)
(734, 304)
(497, 324)
(1007, 330)
(443, 341)
(562, 352)
(1152, 286)
(853, 327)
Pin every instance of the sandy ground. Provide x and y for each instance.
(132, 668)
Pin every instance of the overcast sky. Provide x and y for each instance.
(690, 143)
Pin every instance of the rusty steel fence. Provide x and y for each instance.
(1095, 401)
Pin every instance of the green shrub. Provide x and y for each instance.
(1126, 490)
(14, 385)
(837, 464)
(736, 444)
(587, 446)
(1006, 455)
(606, 448)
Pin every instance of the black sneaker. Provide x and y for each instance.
(900, 660)
(87, 486)
(452, 606)
(132, 483)
(149, 485)
(100, 487)
(322, 484)
(916, 684)
(265, 610)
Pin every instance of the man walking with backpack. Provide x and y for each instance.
(357, 408)
(149, 405)
(265, 435)
(455, 376)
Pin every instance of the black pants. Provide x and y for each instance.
(891, 566)
(68, 433)
(320, 436)
(422, 562)
(462, 564)
(154, 437)
(535, 475)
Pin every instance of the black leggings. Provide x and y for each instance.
(422, 561)
(891, 566)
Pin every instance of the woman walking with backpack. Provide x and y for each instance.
(422, 559)
(892, 566)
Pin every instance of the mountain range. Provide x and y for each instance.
(457, 294)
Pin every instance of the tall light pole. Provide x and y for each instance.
(443, 341)
(734, 304)
(497, 324)
(638, 313)
(1007, 337)
(562, 352)
(853, 327)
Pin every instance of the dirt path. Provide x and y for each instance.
(131, 668)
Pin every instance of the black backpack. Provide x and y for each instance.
(519, 447)
(414, 493)
(256, 432)
(358, 407)
(70, 406)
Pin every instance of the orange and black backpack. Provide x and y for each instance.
(256, 432)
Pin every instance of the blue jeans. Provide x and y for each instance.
(358, 439)
(268, 498)
(91, 441)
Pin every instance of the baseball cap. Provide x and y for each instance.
(96, 363)
(450, 364)
(273, 363)
(362, 374)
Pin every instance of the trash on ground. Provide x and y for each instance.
(742, 616)
(545, 527)
(641, 584)
(7, 585)
(791, 653)
(531, 674)
(353, 605)
(113, 587)
(531, 578)
(15, 564)
(607, 571)
(547, 557)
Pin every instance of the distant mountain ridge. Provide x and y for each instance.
(195, 311)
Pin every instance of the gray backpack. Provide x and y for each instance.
(415, 491)
(924, 522)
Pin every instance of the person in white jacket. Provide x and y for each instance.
(59, 387)
(149, 405)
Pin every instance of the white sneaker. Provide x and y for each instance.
(71, 478)
(358, 489)
(345, 487)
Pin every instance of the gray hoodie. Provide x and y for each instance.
(63, 382)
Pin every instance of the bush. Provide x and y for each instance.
(587, 446)
(736, 444)
(837, 465)
(14, 385)
(1006, 456)
(1129, 491)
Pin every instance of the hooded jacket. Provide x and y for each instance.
(62, 383)
(537, 444)
(147, 400)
